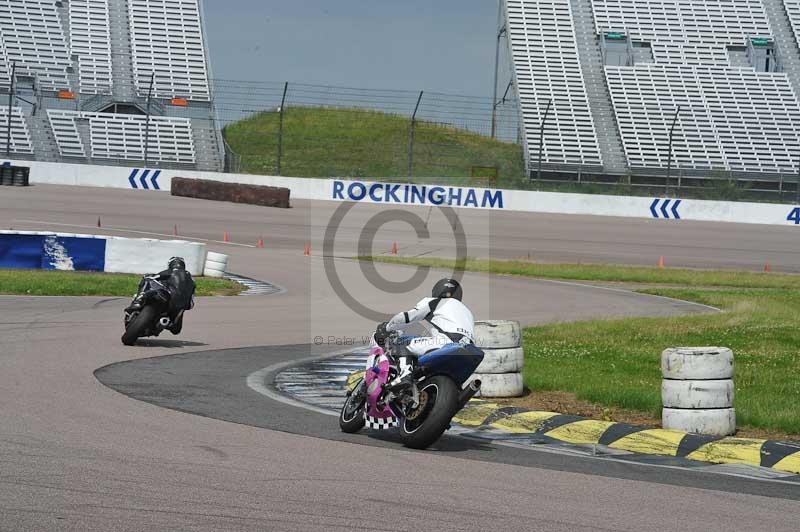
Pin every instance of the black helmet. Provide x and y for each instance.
(176, 263)
(447, 288)
(381, 334)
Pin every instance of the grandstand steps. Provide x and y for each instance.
(785, 40)
(206, 144)
(85, 134)
(72, 73)
(591, 61)
(42, 138)
(121, 51)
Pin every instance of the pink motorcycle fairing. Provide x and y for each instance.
(375, 378)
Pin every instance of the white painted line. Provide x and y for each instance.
(135, 232)
(628, 291)
(255, 381)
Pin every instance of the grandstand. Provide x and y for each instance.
(109, 82)
(617, 74)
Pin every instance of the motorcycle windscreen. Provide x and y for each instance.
(454, 360)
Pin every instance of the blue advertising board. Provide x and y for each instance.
(52, 252)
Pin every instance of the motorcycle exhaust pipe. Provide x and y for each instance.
(164, 322)
(468, 393)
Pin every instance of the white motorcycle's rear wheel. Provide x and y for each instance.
(426, 424)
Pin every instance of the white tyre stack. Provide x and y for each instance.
(697, 391)
(501, 370)
(216, 264)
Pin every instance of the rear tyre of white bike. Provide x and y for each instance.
(437, 405)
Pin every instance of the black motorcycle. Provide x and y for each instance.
(148, 313)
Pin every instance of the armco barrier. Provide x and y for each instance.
(64, 251)
(664, 210)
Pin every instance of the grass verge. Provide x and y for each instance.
(616, 363)
(607, 273)
(330, 142)
(58, 283)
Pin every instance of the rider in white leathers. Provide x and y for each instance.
(451, 321)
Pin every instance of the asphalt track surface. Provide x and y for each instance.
(78, 455)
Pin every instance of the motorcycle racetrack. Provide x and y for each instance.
(167, 435)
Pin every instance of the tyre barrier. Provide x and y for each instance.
(502, 360)
(701, 363)
(17, 176)
(500, 384)
(497, 334)
(500, 371)
(698, 391)
(216, 264)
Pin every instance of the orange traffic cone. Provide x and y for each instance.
(307, 249)
(98, 222)
(175, 230)
(226, 237)
(394, 248)
(767, 268)
(260, 243)
(661, 261)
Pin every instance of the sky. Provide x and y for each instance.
(433, 45)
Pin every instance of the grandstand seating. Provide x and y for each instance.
(5, 66)
(687, 54)
(683, 21)
(65, 131)
(734, 119)
(167, 39)
(33, 37)
(20, 135)
(121, 136)
(90, 40)
(547, 67)
(793, 12)
(688, 32)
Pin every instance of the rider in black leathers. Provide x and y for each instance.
(181, 287)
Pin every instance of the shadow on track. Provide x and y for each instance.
(168, 344)
(445, 444)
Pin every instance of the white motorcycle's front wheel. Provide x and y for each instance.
(351, 418)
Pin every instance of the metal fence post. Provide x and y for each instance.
(797, 184)
(500, 32)
(147, 123)
(541, 139)
(411, 138)
(280, 126)
(669, 151)
(10, 106)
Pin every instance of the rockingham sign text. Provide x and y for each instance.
(417, 194)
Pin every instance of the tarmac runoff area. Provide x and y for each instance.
(77, 455)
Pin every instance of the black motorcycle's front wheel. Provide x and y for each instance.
(438, 399)
(351, 418)
(138, 324)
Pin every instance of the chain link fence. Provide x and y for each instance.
(309, 130)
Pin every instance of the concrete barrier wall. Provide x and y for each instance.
(144, 255)
(66, 251)
(667, 210)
